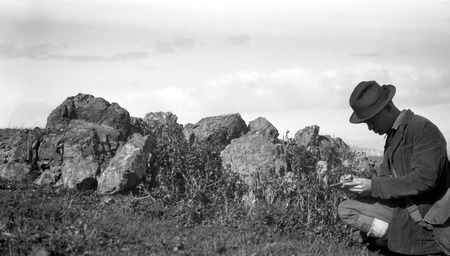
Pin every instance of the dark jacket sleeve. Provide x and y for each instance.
(417, 161)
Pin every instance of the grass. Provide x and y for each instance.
(68, 222)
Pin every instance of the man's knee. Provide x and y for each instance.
(350, 215)
(346, 211)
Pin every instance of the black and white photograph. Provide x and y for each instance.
(239, 127)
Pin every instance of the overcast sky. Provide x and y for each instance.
(293, 62)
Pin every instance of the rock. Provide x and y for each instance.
(168, 139)
(254, 154)
(48, 177)
(189, 134)
(91, 109)
(18, 152)
(86, 147)
(14, 171)
(137, 125)
(263, 126)
(161, 118)
(50, 151)
(342, 147)
(128, 167)
(309, 136)
(221, 129)
(337, 143)
(160, 124)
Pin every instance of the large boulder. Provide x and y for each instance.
(85, 148)
(253, 155)
(264, 127)
(309, 136)
(335, 142)
(91, 109)
(160, 124)
(222, 128)
(161, 118)
(18, 152)
(128, 167)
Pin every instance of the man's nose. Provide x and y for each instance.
(370, 126)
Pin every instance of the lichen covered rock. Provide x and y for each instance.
(128, 167)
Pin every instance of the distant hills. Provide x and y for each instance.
(374, 154)
(370, 152)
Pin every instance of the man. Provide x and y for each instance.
(413, 178)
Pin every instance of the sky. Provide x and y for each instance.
(293, 62)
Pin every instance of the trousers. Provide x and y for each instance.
(359, 213)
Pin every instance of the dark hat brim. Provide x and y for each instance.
(354, 119)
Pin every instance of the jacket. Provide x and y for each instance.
(418, 156)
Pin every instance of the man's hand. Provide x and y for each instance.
(360, 186)
(346, 178)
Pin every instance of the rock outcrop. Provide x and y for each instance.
(18, 152)
(264, 127)
(253, 155)
(90, 143)
(309, 136)
(162, 123)
(128, 167)
(86, 149)
(91, 109)
(222, 128)
(161, 118)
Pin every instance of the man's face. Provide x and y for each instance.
(380, 123)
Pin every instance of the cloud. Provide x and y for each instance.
(254, 91)
(174, 45)
(54, 52)
(184, 43)
(164, 48)
(366, 54)
(239, 40)
(300, 88)
(291, 90)
(40, 51)
(130, 56)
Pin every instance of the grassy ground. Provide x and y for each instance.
(67, 222)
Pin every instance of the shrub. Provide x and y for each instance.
(297, 202)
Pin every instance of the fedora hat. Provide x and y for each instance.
(368, 98)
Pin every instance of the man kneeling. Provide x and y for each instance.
(408, 204)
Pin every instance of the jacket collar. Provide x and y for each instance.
(407, 115)
(399, 119)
